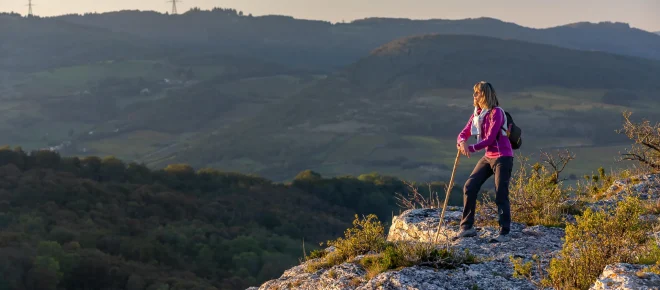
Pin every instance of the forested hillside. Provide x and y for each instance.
(92, 223)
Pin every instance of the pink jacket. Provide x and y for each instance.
(496, 146)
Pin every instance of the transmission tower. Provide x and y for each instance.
(30, 8)
(174, 5)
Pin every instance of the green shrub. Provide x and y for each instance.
(526, 270)
(536, 194)
(598, 239)
(594, 186)
(651, 255)
(317, 254)
(520, 269)
(366, 235)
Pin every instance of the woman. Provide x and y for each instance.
(487, 125)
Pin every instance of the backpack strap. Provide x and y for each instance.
(503, 123)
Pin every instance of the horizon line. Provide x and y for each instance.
(190, 10)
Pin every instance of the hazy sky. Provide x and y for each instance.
(532, 13)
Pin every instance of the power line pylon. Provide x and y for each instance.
(30, 8)
(174, 2)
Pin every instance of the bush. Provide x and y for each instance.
(367, 235)
(535, 193)
(595, 185)
(598, 239)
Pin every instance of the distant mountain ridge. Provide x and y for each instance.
(309, 44)
(323, 44)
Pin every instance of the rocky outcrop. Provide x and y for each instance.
(421, 225)
(494, 270)
(626, 277)
(646, 187)
(345, 276)
(477, 276)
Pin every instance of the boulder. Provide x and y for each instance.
(422, 225)
(624, 276)
(345, 276)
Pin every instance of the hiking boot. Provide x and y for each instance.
(471, 232)
(501, 238)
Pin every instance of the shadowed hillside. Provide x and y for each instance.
(401, 107)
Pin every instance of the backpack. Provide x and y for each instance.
(513, 132)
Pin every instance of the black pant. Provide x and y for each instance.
(484, 169)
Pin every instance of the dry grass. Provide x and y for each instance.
(367, 238)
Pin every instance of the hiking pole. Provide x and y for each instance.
(449, 187)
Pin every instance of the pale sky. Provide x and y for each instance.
(643, 14)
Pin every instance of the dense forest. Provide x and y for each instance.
(99, 223)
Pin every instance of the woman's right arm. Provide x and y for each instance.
(465, 133)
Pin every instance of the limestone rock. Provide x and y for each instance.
(495, 270)
(489, 275)
(647, 186)
(345, 276)
(623, 276)
(422, 225)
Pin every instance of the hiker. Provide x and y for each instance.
(487, 124)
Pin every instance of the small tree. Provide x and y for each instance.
(646, 149)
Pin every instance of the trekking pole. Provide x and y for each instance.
(449, 187)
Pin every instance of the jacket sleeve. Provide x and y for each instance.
(496, 122)
(465, 133)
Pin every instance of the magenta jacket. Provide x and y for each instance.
(491, 126)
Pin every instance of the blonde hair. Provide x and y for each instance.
(488, 92)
